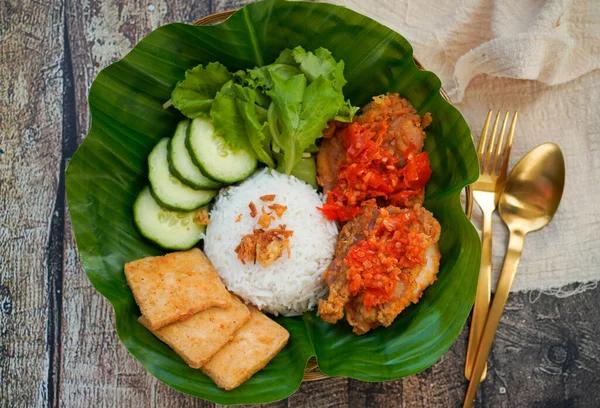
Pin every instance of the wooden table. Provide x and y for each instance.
(58, 344)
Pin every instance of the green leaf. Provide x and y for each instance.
(247, 108)
(109, 169)
(305, 170)
(235, 117)
(227, 121)
(194, 95)
(303, 112)
(260, 78)
(321, 63)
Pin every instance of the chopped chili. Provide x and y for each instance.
(390, 250)
(371, 170)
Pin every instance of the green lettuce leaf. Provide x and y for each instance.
(260, 77)
(321, 63)
(195, 94)
(235, 117)
(303, 90)
(303, 111)
(305, 170)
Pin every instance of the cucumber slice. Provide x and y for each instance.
(217, 160)
(167, 189)
(181, 164)
(167, 228)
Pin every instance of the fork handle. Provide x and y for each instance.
(482, 298)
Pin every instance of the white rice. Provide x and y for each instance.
(287, 286)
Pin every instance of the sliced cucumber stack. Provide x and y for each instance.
(181, 164)
(215, 158)
(167, 189)
(167, 228)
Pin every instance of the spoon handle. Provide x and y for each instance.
(511, 262)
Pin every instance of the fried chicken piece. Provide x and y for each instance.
(403, 129)
(408, 290)
(410, 281)
(331, 157)
(332, 309)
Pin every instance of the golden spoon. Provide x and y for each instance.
(528, 202)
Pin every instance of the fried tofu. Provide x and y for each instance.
(252, 347)
(198, 338)
(175, 287)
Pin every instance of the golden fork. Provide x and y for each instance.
(486, 191)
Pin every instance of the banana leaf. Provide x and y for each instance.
(109, 169)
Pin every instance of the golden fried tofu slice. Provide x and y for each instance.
(175, 286)
(252, 347)
(198, 338)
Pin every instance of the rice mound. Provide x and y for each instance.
(288, 286)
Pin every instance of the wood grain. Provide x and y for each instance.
(58, 344)
(31, 110)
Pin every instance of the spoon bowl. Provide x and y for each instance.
(534, 189)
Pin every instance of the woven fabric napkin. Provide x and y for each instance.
(540, 58)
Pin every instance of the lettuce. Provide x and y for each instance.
(303, 111)
(277, 111)
(195, 94)
(235, 117)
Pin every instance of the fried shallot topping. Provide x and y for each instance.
(201, 217)
(253, 211)
(239, 218)
(268, 197)
(264, 246)
(265, 219)
(278, 208)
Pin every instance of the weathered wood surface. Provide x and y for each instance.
(31, 113)
(58, 346)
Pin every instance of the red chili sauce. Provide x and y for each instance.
(390, 249)
(372, 171)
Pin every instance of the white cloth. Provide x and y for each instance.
(540, 58)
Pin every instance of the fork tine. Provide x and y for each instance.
(491, 145)
(508, 146)
(499, 149)
(483, 137)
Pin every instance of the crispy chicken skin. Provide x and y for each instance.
(404, 129)
(332, 309)
(404, 125)
(410, 281)
(396, 125)
(330, 158)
